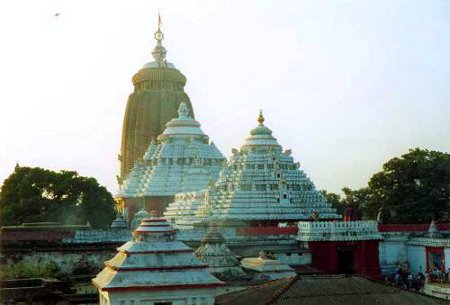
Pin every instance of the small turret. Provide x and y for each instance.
(433, 231)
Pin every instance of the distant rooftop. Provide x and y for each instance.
(327, 289)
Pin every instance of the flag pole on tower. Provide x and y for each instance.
(159, 20)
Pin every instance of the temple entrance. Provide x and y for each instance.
(345, 261)
(435, 258)
(435, 261)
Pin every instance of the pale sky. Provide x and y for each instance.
(346, 85)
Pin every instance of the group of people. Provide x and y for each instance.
(407, 280)
(438, 274)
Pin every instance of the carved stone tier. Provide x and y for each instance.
(338, 231)
(261, 185)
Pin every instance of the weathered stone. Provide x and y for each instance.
(158, 92)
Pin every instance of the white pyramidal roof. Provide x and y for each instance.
(153, 261)
(260, 182)
(221, 261)
(266, 268)
(183, 160)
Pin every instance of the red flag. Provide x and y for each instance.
(159, 20)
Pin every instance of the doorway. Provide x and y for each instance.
(345, 261)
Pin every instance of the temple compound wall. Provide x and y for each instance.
(413, 244)
(68, 263)
(393, 251)
(68, 248)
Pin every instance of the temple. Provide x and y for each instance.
(261, 186)
(182, 160)
(155, 269)
(258, 199)
(158, 92)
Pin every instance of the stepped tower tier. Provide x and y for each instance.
(158, 91)
(155, 269)
(181, 160)
(260, 186)
(221, 261)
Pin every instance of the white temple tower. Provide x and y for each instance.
(181, 160)
(261, 186)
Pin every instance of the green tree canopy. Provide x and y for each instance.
(352, 198)
(413, 188)
(36, 194)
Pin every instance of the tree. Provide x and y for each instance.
(335, 201)
(413, 188)
(352, 198)
(36, 194)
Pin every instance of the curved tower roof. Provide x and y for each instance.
(259, 183)
(182, 160)
(158, 91)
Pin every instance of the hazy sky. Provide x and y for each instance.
(345, 84)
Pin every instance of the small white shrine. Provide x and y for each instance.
(155, 269)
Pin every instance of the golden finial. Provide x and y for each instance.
(159, 36)
(260, 117)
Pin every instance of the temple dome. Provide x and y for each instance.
(181, 160)
(260, 136)
(183, 126)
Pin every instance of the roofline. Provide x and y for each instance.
(171, 268)
(158, 288)
(299, 277)
(155, 251)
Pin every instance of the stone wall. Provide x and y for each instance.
(99, 236)
(393, 251)
(67, 262)
(417, 258)
(83, 250)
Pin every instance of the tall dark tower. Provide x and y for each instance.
(158, 92)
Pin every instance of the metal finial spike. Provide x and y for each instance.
(159, 52)
(260, 117)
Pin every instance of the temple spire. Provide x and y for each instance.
(159, 52)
